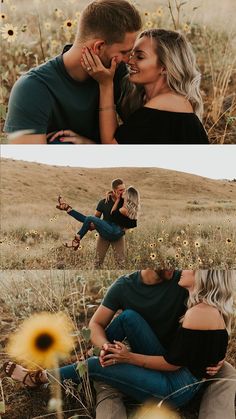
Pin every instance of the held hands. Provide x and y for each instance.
(215, 369)
(116, 353)
(92, 64)
(68, 136)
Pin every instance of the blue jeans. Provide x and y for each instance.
(138, 383)
(108, 230)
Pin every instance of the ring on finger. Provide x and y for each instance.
(89, 68)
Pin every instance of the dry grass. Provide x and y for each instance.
(185, 219)
(43, 30)
(78, 294)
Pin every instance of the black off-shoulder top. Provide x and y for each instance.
(122, 220)
(153, 126)
(197, 349)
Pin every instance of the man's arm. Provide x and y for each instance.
(98, 323)
(28, 139)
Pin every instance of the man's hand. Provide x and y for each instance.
(117, 354)
(105, 351)
(213, 370)
(91, 227)
(68, 136)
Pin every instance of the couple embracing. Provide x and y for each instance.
(178, 326)
(119, 212)
(149, 79)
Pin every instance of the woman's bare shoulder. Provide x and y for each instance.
(171, 102)
(203, 317)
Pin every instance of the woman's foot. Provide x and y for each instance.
(29, 378)
(75, 243)
(63, 206)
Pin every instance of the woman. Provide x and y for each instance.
(176, 373)
(162, 102)
(123, 217)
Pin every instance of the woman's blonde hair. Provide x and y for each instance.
(175, 54)
(132, 202)
(217, 288)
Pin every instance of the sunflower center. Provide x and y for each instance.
(44, 342)
(10, 32)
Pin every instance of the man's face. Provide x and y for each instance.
(119, 190)
(120, 50)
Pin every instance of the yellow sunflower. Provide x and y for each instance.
(185, 242)
(68, 24)
(153, 256)
(160, 12)
(3, 16)
(228, 241)
(152, 410)
(42, 340)
(197, 244)
(160, 239)
(9, 32)
(96, 235)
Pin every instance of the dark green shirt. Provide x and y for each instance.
(47, 99)
(161, 305)
(106, 207)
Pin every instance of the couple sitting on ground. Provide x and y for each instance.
(174, 350)
(150, 79)
(122, 215)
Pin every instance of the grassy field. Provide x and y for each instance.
(185, 221)
(78, 294)
(31, 38)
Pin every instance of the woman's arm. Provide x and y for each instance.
(115, 204)
(122, 355)
(107, 110)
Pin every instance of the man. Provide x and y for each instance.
(104, 210)
(156, 296)
(59, 94)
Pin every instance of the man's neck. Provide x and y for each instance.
(72, 63)
(150, 277)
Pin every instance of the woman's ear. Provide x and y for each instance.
(163, 71)
(98, 46)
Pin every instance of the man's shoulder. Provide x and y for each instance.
(128, 278)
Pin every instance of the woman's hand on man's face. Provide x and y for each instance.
(92, 64)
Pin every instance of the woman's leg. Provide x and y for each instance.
(105, 229)
(131, 325)
(142, 384)
(77, 215)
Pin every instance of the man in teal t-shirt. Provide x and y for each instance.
(59, 95)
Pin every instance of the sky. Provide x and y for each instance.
(213, 161)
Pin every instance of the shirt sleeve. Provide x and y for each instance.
(100, 206)
(29, 106)
(112, 299)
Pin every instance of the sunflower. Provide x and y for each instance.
(185, 242)
(228, 241)
(68, 24)
(160, 239)
(155, 411)
(47, 25)
(149, 24)
(58, 12)
(186, 28)
(152, 245)
(197, 244)
(96, 235)
(160, 12)
(153, 256)
(3, 16)
(42, 340)
(9, 32)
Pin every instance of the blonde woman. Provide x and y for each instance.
(161, 103)
(123, 216)
(176, 372)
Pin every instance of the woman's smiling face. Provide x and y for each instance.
(144, 63)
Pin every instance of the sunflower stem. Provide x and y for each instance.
(56, 390)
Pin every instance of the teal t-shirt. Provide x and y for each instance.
(47, 99)
(161, 305)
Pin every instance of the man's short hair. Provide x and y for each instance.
(116, 182)
(109, 20)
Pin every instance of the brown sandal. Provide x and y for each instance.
(35, 376)
(63, 206)
(74, 245)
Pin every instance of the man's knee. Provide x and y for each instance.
(130, 316)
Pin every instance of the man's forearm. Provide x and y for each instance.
(98, 335)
